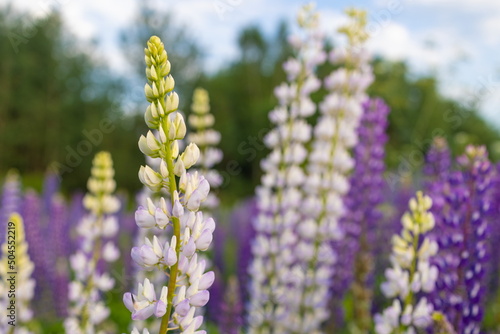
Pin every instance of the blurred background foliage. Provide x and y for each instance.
(55, 87)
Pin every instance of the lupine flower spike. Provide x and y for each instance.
(87, 311)
(16, 285)
(328, 167)
(273, 304)
(356, 253)
(183, 225)
(463, 241)
(10, 200)
(206, 138)
(411, 274)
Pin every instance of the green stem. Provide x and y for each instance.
(413, 268)
(177, 232)
(409, 300)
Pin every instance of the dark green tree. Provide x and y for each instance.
(51, 91)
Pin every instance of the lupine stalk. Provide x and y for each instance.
(51, 184)
(32, 213)
(10, 201)
(437, 172)
(181, 219)
(495, 236)
(87, 311)
(411, 274)
(21, 267)
(328, 167)
(463, 242)
(58, 254)
(242, 227)
(355, 250)
(206, 138)
(230, 318)
(273, 303)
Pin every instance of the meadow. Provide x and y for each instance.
(310, 187)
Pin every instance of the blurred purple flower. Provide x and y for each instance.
(32, 215)
(10, 201)
(51, 185)
(58, 253)
(243, 228)
(495, 237)
(231, 316)
(463, 239)
(355, 250)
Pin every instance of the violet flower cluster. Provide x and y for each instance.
(87, 310)
(412, 273)
(274, 271)
(185, 289)
(354, 267)
(463, 226)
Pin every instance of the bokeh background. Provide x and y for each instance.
(67, 65)
(72, 78)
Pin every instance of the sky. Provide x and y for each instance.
(456, 40)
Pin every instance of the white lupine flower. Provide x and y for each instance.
(86, 311)
(206, 138)
(145, 304)
(174, 254)
(397, 283)
(110, 252)
(326, 179)
(148, 230)
(388, 321)
(136, 331)
(25, 284)
(411, 273)
(280, 200)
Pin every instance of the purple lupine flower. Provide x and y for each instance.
(10, 200)
(495, 236)
(438, 161)
(215, 305)
(463, 242)
(437, 168)
(51, 185)
(231, 316)
(32, 213)
(76, 213)
(58, 253)
(355, 249)
(243, 228)
(126, 221)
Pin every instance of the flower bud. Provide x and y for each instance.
(191, 155)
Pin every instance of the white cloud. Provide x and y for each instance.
(215, 24)
(395, 41)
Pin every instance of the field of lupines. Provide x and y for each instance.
(326, 245)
